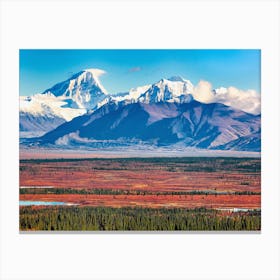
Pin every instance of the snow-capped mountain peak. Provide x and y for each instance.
(83, 89)
(175, 89)
(64, 101)
(92, 76)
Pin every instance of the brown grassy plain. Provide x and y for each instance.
(169, 175)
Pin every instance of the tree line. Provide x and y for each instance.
(138, 219)
(129, 192)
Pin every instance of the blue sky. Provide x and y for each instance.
(125, 69)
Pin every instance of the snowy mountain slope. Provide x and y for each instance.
(49, 105)
(41, 113)
(174, 89)
(37, 125)
(132, 96)
(192, 124)
(83, 89)
(250, 142)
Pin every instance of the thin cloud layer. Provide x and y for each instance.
(135, 69)
(248, 101)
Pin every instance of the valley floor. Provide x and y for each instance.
(205, 193)
(141, 151)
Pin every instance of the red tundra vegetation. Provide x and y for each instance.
(220, 180)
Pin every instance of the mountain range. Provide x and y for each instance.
(79, 112)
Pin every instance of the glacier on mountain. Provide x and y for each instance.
(83, 89)
(62, 102)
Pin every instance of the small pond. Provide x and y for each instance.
(44, 203)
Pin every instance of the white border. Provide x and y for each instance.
(153, 24)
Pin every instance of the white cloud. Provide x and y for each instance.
(96, 72)
(246, 100)
(203, 92)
